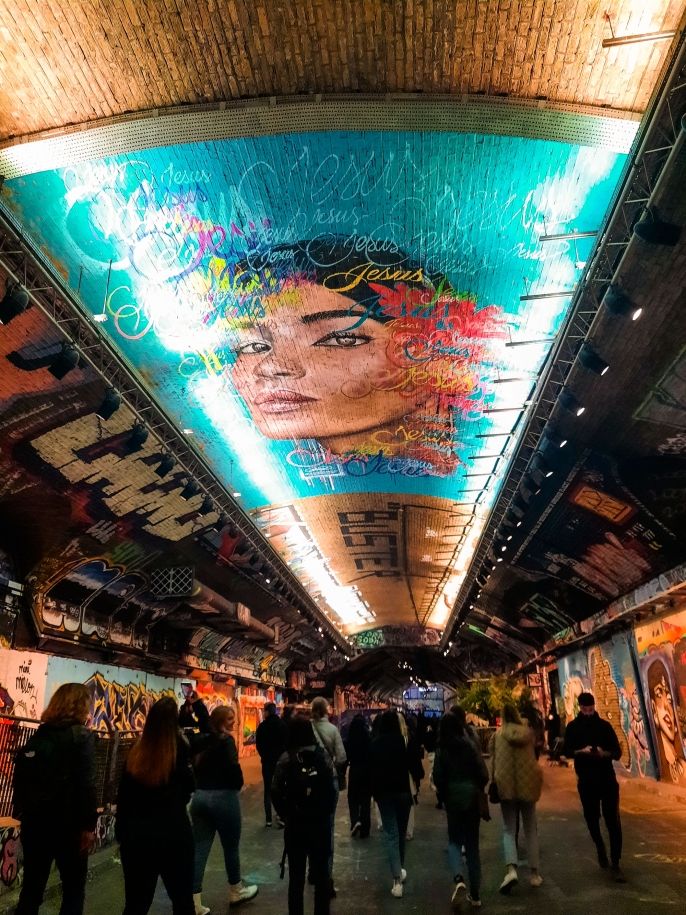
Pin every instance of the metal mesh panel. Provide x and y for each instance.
(14, 733)
(559, 121)
(176, 581)
(111, 751)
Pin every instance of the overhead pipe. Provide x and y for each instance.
(204, 598)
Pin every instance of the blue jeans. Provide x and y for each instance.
(216, 811)
(395, 813)
(463, 829)
(527, 810)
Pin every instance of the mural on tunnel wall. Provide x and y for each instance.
(332, 313)
(608, 671)
(662, 653)
(598, 536)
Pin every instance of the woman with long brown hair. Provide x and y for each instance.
(216, 807)
(153, 827)
(55, 799)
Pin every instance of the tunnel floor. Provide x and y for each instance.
(654, 862)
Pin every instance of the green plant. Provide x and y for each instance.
(485, 698)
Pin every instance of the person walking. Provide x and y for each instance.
(304, 795)
(270, 740)
(415, 755)
(329, 738)
(55, 799)
(152, 824)
(592, 743)
(391, 790)
(460, 775)
(358, 748)
(519, 780)
(215, 806)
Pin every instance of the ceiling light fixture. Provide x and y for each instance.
(109, 406)
(189, 490)
(535, 296)
(567, 236)
(568, 401)
(591, 360)
(620, 41)
(66, 360)
(167, 464)
(14, 302)
(137, 438)
(654, 231)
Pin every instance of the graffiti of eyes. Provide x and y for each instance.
(343, 339)
(337, 339)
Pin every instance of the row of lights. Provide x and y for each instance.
(543, 463)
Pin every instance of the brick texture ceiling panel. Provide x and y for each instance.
(74, 61)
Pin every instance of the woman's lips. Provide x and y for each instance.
(282, 401)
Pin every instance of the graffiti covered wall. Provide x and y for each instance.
(662, 656)
(120, 696)
(608, 671)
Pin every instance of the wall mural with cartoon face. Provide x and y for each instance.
(662, 651)
(337, 314)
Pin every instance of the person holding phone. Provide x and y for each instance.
(592, 743)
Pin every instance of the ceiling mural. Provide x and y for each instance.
(337, 319)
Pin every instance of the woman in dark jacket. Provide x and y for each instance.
(55, 799)
(391, 791)
(460, 774)
(216, 807)
(152, 826)
(358, 748)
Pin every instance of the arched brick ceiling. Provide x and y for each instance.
(73, 61)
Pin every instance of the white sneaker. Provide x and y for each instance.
(200, 909)
(403, 875)
(536, 880)
(356, 829)
(397, 889)
(474, 903)
(459, 895)
(509, 880)
(241, 892)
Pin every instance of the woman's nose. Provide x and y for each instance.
(275, 366)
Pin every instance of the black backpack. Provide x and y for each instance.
(43, 772)
(309, 785)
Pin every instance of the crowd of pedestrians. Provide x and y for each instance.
(179, 790)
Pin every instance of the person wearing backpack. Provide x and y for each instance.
(55, 799)
(152, 825)
(216, 806)
(304, 795)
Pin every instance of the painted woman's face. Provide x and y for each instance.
(663, 709)
(311, 369)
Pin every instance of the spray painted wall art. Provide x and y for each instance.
(334, 313)
(662, 652)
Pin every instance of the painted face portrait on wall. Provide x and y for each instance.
(360, 356)
(666, 727)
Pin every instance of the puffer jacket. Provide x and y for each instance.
(513, 764)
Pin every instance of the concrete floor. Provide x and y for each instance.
(654, 861)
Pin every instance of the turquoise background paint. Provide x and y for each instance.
(469, 205)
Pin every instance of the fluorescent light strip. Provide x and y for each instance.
(567, 236)
(546, 295)
(619, 41)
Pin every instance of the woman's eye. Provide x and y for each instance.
(253, 349)
(343, 339)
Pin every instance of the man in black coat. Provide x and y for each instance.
(270, 740)
(592, 743)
